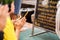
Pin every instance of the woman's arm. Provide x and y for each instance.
(18, 24)
(17, 34)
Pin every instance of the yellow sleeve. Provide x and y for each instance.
(9, 33)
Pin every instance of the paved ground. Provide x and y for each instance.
(25, 35)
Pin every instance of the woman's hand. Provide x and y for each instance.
(19, 23)
(3, 16)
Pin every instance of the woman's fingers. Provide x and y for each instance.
(5, 10)
(1, 9)
(23, 20)
(19, 24)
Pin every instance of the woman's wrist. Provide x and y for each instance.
(17, 31)
(18, 27)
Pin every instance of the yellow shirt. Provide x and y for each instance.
(9, 33)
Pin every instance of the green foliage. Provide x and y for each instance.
(6, 1)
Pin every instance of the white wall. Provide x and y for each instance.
(32, 2)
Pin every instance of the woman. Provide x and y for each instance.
(7, 25)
